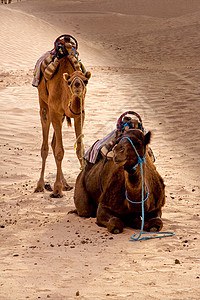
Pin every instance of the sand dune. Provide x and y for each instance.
(143, 56)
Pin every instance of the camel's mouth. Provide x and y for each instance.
(78, 93)
(78, 89)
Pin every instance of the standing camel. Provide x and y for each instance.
(60, 97)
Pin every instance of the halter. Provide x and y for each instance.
(73, 94)
(81, 135)
(134, 237)
(140, 162)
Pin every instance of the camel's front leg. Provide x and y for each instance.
(106, 218)
(66, 186)
(44, 116)
(78, 124)
(153, 221)
(58, 150)
(85, 206)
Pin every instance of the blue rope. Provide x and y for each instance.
(124, 125)
(164, 234)
(136, 202)
(134, 237)
(74, 52)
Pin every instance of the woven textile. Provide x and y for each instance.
(93, 151)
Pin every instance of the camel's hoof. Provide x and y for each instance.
(73, 211)
(154, 229)
(115, 225)
(38, 190)
(48, 187)
(56, 195)
(67, 188)
(154, 224)
(116, 231)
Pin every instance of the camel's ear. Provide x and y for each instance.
(88, 75)
(147, 138)
(66, 76)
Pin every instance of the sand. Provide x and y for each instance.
(144, 56)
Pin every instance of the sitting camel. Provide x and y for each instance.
(61, 96)
(112, 190)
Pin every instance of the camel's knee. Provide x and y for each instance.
(59, 154)
(44, 151)
(85, 207)
(86, 213)
(44, 114)
(106, 218)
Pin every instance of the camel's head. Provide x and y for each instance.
(77, 82)
(124, 153)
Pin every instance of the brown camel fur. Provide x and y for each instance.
(59, 97)
(116, 176)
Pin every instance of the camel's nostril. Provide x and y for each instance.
(77, 84)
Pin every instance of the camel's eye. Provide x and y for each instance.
(85, 82)
(120, 149)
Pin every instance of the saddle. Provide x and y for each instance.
(104, 147)
(64, 45)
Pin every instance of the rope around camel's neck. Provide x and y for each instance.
(81, 135)
(133, 185)
(137, 236)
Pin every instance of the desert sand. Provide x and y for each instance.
(144, 56)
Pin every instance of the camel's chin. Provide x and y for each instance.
(77, 96)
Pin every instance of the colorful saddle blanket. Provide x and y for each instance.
(38, 70)
(104, 146)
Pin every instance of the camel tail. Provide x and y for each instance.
(69, 123)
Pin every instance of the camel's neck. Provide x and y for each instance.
(76, 104)
(133, 184)
(133, 180)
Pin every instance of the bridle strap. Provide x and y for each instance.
(81, 98)
(77, 114)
